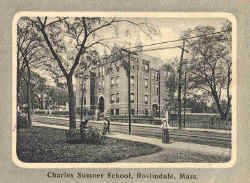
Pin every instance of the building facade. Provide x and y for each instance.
(105, 87)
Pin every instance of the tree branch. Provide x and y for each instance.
(82, 49)
(52, 49)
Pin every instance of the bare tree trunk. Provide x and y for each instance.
(217, 101)
(18, 85)
(71, 95)
(19, 78)
(81, 112)
(29, 97)
(229, 98)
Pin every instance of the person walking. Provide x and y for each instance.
(106, 118)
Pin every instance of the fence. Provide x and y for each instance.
(192, 120)
(200, 120)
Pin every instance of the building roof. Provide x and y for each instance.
(155, 62)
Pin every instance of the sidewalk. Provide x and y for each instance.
(152, 126)
(168, 150)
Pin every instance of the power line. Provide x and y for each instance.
(163, 48)
(177, 40)
(153, 49)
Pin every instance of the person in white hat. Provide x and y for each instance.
(165, 127)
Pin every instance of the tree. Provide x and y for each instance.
(197, 103)
(211, 66)
(69, 39)
(37, 86)
(29, 53)
(171, 85)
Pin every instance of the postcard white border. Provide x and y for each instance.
(228, 16)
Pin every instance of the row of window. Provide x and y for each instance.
(155, 76)
(115, 82)
(132, 81)
(101, 70)
(116, 112)
(115, 98)
(132, 98)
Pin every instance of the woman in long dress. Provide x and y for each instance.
(165, 127)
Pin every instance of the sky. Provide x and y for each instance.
(169, 29)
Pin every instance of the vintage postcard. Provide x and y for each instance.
(128, 90)
(124, 96)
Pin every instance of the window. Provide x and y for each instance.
(117, 81)
(100, 84)
(157, 91)
(117, 97)
(132, 97)
(117, 112)
(132, 80)
(146, 67)
(146, 112)
(112, 99)
(112, 81)
(157, 76)
(146, 83)
(146, 99)
(103, 71)
(133, 67)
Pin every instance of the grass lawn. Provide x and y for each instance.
(47, 145)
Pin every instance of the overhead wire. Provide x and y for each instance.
(153, 49)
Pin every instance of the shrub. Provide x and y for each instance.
(72, 135)
(91, 135)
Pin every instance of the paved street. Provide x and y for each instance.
(211, 138)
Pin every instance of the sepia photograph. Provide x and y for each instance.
(129, 89)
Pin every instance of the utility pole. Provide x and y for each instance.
(81, 114)
(179, 85)
(137, 88)
(129, 104)
(185, 95)
(159, 94)
(129, 97)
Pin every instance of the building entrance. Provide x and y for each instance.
(101, 104)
